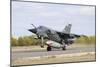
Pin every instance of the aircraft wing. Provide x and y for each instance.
(65, 35)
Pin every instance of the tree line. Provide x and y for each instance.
(24, 41)
(31, 41)
(86, 40)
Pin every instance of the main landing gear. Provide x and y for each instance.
(49, 48)
(64, 48)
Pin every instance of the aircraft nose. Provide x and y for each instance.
(33, 30)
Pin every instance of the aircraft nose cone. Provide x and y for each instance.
(33, 30)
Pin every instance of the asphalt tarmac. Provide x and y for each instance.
(25, 54)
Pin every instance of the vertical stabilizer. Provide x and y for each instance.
(67, 29)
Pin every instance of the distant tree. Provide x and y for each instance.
(92, 39)
(86, 40)
(14, 41)
(27, 41)
(20, 41)
(31, 41)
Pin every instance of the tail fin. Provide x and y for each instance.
(67, 29)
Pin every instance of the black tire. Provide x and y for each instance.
(64, 48)
(48, 48)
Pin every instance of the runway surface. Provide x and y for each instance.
(25, 54)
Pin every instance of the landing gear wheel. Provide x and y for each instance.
(48, 48)
(64, 48)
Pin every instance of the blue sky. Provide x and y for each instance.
(54, 16)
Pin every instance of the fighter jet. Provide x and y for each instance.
(56, 39)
